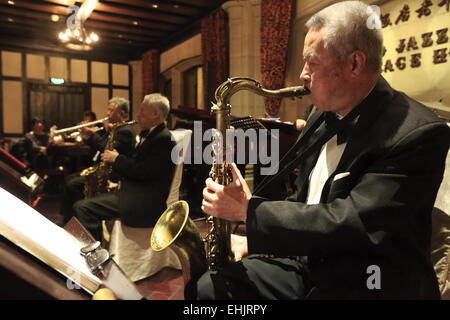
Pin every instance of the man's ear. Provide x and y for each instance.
(357, 60)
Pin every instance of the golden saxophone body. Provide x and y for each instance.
(97, 175)
(175, 229)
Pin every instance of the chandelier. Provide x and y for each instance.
(78, 39)
(75, 36)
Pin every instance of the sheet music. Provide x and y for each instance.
(30, 230)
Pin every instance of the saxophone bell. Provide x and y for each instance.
(175, 229)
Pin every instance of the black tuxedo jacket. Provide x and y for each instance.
(124, 141)
(145, 180)
(378, 214)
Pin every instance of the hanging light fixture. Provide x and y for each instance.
(75, 36)
(78, 38)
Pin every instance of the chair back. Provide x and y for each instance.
(130, 245)
(182, 137)
(440, 238)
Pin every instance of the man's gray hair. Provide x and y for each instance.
(348, 26)
(160, 102)
(121, 104)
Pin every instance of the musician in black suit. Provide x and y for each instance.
(118, 110)
(145, 175)
(359, 225)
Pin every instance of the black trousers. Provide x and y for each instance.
(90, 212)
(73, 191)
(254, 277)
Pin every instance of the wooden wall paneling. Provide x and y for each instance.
(110, 80)
(27, 82)
(69, 70)
(24, 91)
(130, 90)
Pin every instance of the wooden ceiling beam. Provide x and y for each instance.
(36, 41)
(39, 6)
(205, 4)
(130, 21)
(25, 13)
(149, 14)
(117, 22)
(178, 9)
(145, 14)
(127, 22)
(55, 27)
(23, 27)
(123, 29)
(114, 54)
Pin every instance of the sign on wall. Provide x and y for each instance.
(416, 53)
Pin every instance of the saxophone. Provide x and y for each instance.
(97, 175)
(175, 229)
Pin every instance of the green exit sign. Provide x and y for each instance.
(57, 80)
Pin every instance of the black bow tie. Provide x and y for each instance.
(331, 119)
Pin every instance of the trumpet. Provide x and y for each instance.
(65, 130)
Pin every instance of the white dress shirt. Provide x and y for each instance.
(326, 164)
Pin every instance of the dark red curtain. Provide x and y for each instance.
(276, 20)
(214, 35)
(150, 70)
